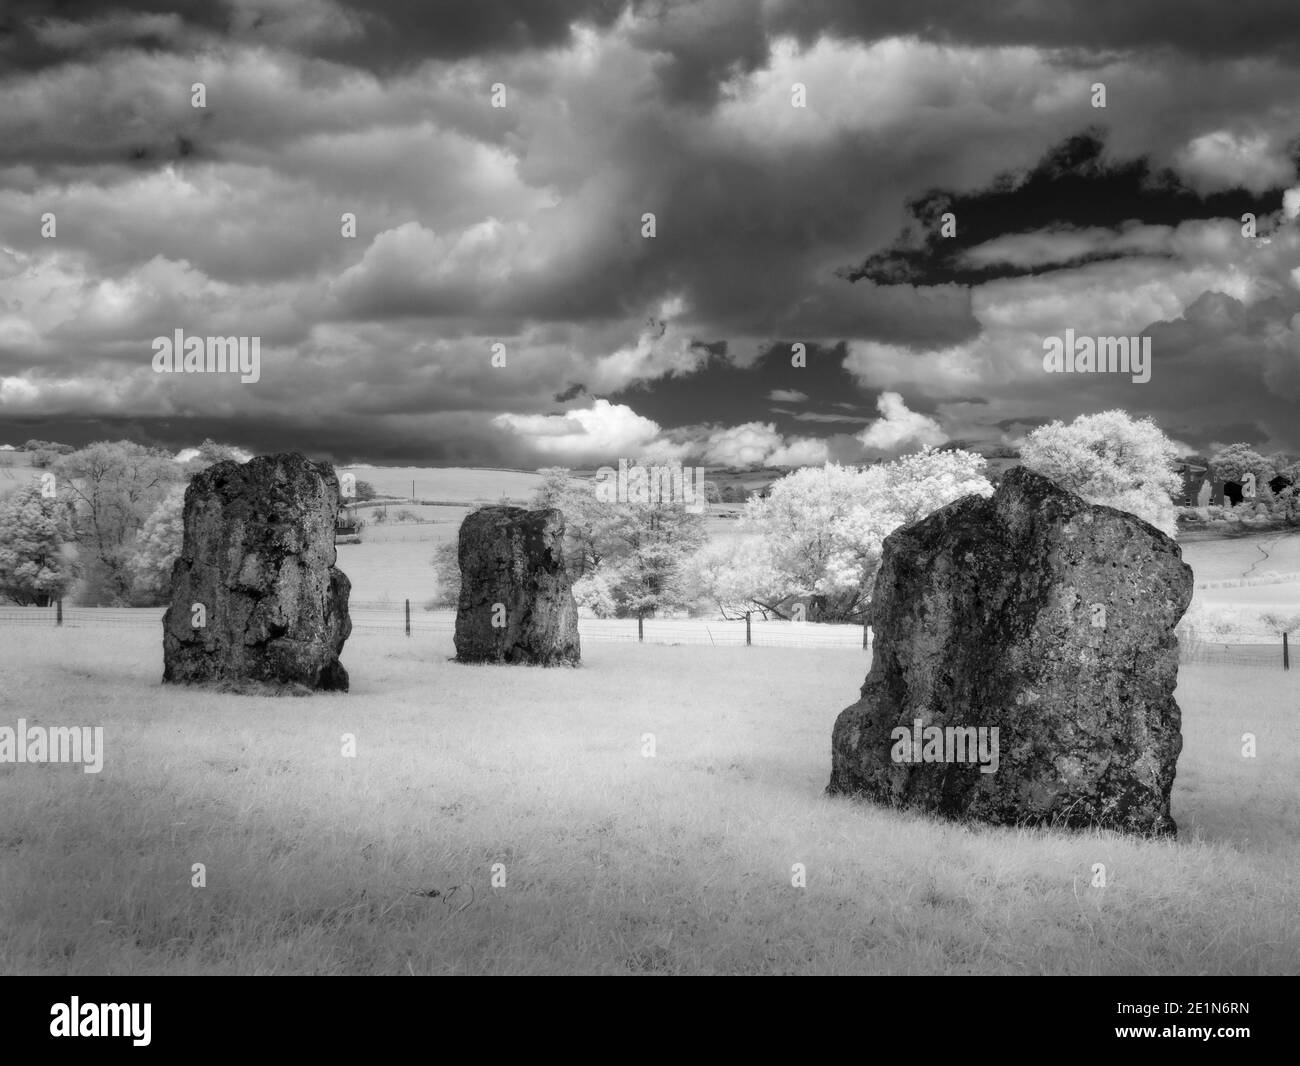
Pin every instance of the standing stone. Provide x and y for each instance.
(516, 599)
(1040, 616)
(259, 558)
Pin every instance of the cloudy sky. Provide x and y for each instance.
(521, 225)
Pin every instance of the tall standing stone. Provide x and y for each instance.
(516, 599)
(257, 569)
(1046, 618)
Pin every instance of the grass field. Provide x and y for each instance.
(614, 862)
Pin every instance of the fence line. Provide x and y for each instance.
(1234, 649)
(388, 617)
(1240, 648)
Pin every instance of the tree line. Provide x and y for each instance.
(808, 547)
(110, 530)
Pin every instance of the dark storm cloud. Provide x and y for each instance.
(723, 392)
(1073, 187)
(704, 44)
(571, 393)
(347, 438)
(380, 35)
(1202, 28)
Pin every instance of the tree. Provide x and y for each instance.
(446, 568)
(1280, 621)
(822, 529)
(1235, 461)
(1283, 465)
(36, 566)
(211, 453)
(587, 522)
(735, 574)
(48, 446)
(158, 546)
(644, 563)
(1112, 459)
(46, 452)
(115, 486)
(365, 491)
(594, 592)
(638, 548)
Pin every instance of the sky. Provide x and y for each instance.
(502, 302)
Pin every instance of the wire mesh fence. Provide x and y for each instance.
(1235, 649)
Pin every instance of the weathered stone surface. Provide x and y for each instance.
(514, 557)
(984, 617)
(259, 556)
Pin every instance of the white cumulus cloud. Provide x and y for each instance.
(899, 428)
(601, 434)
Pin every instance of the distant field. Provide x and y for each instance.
(1217, 560)
(1256, 596)
(1245, 559)
(15, 470)
(460, 484)
(614, 862)
(395, 564)
(427, 513)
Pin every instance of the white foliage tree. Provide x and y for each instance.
(1113, 459)
(594, 592)
(821, 529)
(157, 547)
(735, 574)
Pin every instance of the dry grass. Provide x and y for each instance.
(615, 863)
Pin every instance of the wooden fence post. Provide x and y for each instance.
(748, 641)
(58, 611)
(1286, 654)
(408, 618)
(640, 628)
